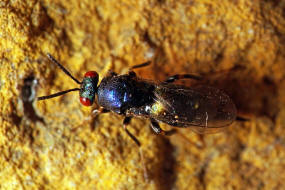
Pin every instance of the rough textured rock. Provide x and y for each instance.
(237, 45)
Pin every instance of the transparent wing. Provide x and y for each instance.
(203, 109)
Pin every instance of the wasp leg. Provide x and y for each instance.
(111, 73)
(94, 115)
(141, 65)
(99, 111)
(156, 128)
(132, 73)
(126, 122)
(240, 118)
(182, 76)
(90, 118)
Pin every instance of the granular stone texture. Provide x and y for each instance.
(237, 46)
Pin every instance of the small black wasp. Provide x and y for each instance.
(202, 108)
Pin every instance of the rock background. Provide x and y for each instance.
(237, 46)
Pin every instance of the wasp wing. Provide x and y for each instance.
(203, 109)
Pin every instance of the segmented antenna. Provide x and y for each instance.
(56, 94)
(62, 68)
(67, 73)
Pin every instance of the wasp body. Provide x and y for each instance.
(203, 109)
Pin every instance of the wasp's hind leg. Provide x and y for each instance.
(126, 122)
(156, 128)
(174, 78)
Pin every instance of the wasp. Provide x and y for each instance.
(201, 108)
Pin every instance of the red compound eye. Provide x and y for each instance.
(91, 74)
(85, 101)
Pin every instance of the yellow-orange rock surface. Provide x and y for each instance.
(237, 45)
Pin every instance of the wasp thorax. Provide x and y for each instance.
(88, 88)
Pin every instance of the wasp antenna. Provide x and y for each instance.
(57, 94)
(62, 68)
